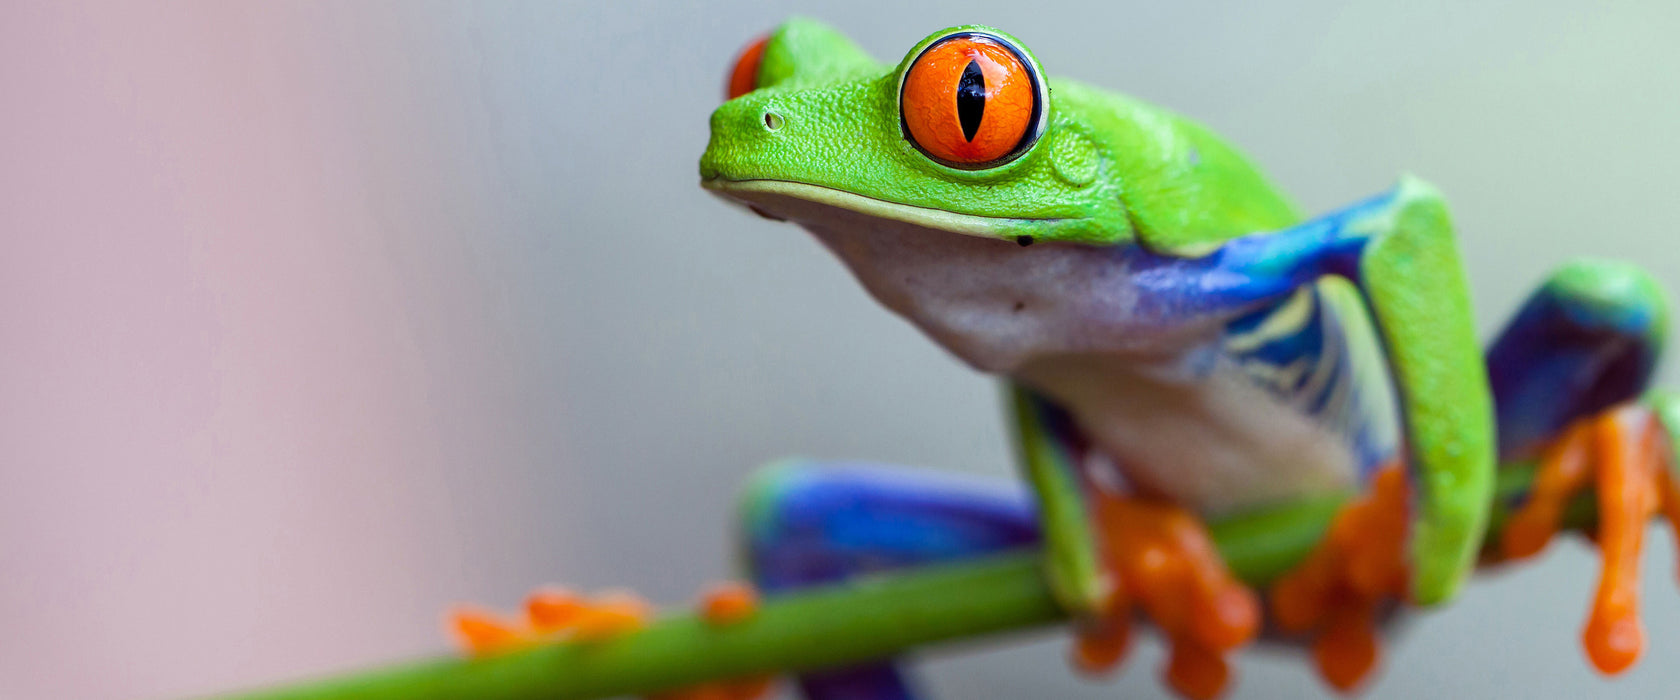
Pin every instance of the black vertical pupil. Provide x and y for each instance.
(971, 99)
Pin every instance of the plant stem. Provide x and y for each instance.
(860, 620)
(833, 626)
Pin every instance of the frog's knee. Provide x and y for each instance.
(1420, 204)
(1609, 297)
(759, 507)
(1587, 340)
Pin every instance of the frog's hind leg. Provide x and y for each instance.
(808, 524)
(1587, 340)
(1566, 376)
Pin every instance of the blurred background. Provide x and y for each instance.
(316, 317)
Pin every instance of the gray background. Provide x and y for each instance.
(600, 352)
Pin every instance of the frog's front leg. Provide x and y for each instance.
(1110, 554)
(1416, 531)
(809, 524)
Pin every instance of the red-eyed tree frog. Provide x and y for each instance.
(1179, 346)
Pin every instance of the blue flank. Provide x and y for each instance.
(1306, 359)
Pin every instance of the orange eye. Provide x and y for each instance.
(743, 78)
(971, 100)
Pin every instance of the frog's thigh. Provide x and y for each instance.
(1586, 340)
(808, 522)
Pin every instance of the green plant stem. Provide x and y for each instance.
(824, 627)
(857, 621)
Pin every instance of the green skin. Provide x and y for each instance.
(823, 129)
(1109, 169)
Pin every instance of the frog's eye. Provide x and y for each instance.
(743, 78)
(972, 100)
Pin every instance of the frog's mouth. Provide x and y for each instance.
(771, 198)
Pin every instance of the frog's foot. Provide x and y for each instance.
(1620, 453)
(1163, 562)
(1335, 595)
(721, 605)
(550, 614)
(553, 614)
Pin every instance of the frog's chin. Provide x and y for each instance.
(787, 200)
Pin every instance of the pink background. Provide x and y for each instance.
(246, 330)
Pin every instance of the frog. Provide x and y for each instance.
(1177, 344)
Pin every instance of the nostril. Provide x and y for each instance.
(772, 121)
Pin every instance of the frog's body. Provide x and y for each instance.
(1155, 385)
(1177, 339)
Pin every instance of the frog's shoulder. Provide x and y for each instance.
(1186, 189)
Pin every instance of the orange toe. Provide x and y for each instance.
(725, 604)
(550, 615)
(554, 614)
(1335, 594)
(1621, 454)
(1298, 599)
(1346, 652)
(1227, 618)
(1613, 643)
(1196, 672)
(611, 614)
(728, 603)
(1563, 471)
(1101, 649)
(482, 632)
(1625, 454)
(553, 609)
(1165, 564)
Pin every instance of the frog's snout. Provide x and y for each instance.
(740, 131)
(748, 118)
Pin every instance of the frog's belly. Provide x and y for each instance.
(1216, 444)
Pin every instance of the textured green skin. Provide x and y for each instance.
(1109, 170)
(1415, 284)
(1609, 285)
(1070, 547)
(1112, 170)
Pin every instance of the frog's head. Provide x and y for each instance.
(963, 192)
(963, 136)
